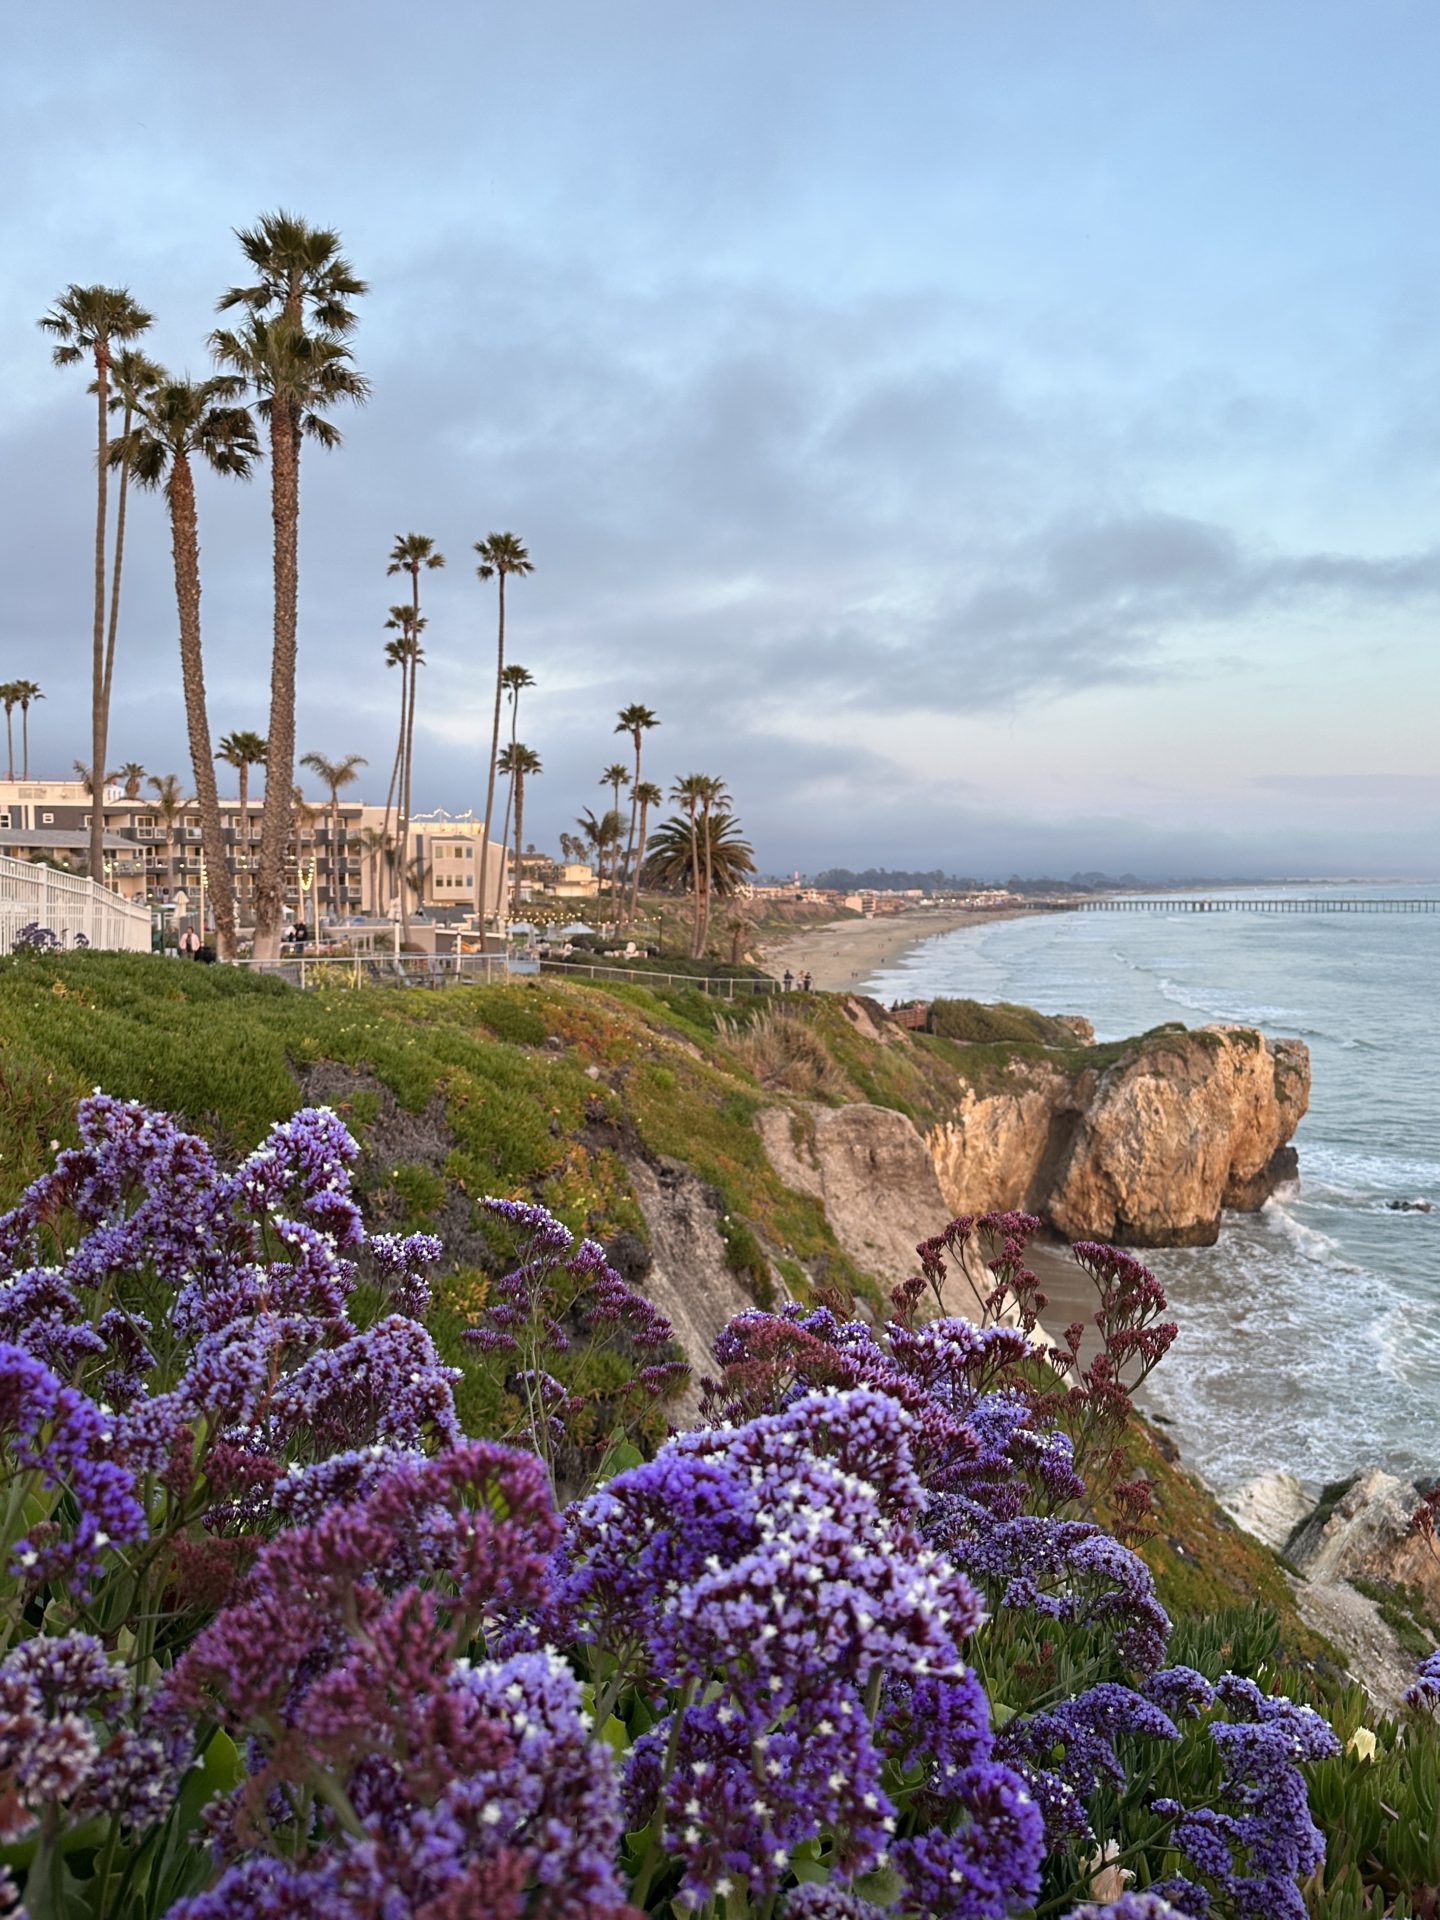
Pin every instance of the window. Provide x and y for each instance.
(48, 820)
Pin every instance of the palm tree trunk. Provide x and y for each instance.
(25, 736)
(242, 839)
(510, 788)
(639, 863)
(518, 782)
(695, 930)
(494, 755)
(631, 870)
(405, 782)
(709, 878)
(185, 543)
(97, 665)
(10, 741)
(280, 754)
(119, 562)
(392, 791)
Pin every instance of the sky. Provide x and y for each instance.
(1003, 438)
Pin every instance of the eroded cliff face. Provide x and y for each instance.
(1145, 1152)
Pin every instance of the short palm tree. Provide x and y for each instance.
(242, 750)
(501, 555)
(335, 774)
(681, 854)
(26, 691)
(10, 699)
(132, 773)
(515, 680)
(88, 323)
(615, 776)
(713, 796)
(176, 422)
(291, 350)
(520, 763)
(169, 804)
(375, 844)
(637, 722)
(602, 836)
(688, 792)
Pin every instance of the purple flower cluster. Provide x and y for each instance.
(1255, 1855)
(1425, 1689)
(64, 1746)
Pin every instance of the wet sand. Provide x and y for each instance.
(841, 955)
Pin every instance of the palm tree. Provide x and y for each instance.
(132, 773)
(645, 796)
(133, 372)
(713, 795)
(636, 721)
(170, 804)
(515, 680)
(501, 554)
(411, 553)
(10, 699)
(375, 843)
(177, 421)
(88, 322)
(520, 763)
(335, 774)
(688, 793)
(25, 692)
(242, 750)
(292, 350)
(603, 837)
(615, 776)
(411, 656)
(681, 855)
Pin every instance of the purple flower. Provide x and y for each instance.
(1425, 1689)
(989, 1864)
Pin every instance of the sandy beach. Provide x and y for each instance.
(841, 954)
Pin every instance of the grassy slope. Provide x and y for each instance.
(524, 1089)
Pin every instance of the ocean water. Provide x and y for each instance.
(1310, 1335)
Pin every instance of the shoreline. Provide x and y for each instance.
(841, 955)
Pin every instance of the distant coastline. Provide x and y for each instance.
(841, 955)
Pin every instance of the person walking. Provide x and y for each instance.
(788, 981)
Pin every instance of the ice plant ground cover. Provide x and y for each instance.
(278, 1639)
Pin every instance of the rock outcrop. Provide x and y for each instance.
(872, 1172)
(1146, 1151)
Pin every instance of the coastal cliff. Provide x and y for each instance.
(1146, 1151)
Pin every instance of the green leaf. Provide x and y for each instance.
(882, 1885)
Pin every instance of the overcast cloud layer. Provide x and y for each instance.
(990, 437)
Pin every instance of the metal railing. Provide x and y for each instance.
(75, 909)
(721, 984)
(388, 969)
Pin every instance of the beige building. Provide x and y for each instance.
(329, 876)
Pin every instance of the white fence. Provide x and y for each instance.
(69, 906)
(390, 970)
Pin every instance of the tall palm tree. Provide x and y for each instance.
(25, 692)
(335, 774)
(10, 699)
(169, 804)
(242, 750)
(291, 349)
(520, 763)
(688, 793)
(88, 323)
(713, 796)
(645, 795)
(397, 654)
(412, 657)
(501, 554)
(133, 372)
(375, 843)
(412, 553)
(515, 680)
(177, 421)
(637, 722)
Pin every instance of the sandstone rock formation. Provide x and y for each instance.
(1145, 1152)
(870, 1170)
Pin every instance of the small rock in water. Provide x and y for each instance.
(1408, 1206)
